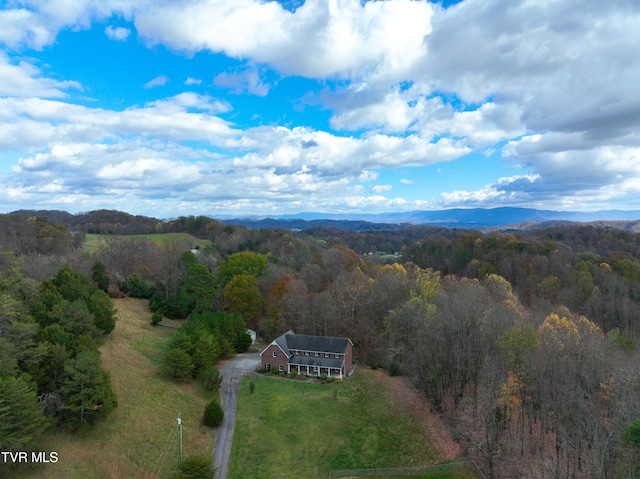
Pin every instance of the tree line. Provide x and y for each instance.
(50, 367)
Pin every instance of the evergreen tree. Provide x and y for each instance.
(21, 419)
(99, 276)
(213, 414)
(177, 365)
(87, 389)
(104, 313)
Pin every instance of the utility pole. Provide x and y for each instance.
(180, 434)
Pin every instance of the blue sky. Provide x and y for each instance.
(236, 107)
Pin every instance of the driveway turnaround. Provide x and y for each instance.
(232, 372)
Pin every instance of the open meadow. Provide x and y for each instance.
(139, 439)
(292, 429)
(93, 241)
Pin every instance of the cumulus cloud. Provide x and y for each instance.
(145, 152)
(23, 79)
(319, 39)
(119, 34)
(36, 23)
(33, 123)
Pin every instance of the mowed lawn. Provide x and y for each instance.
(292, 429)
(139, 439)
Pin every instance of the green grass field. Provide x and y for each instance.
(139, 439)
(93, 241)
(291, 429)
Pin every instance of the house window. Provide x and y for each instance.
(274, 354)
(306, 353)
(316, 355)
(280, 368)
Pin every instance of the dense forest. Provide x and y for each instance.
(525, 342)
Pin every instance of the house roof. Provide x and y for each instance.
(303, 342)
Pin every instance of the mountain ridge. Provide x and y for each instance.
(471, 218)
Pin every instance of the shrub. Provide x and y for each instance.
(213, 414)
(136, 287)
(393, 369)
(195, 467)
(157, 317)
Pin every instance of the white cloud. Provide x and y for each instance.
(119, 34)
(36, 23)
(24, 79)
(192, 81)
(160, 80)
(144, 152)
(34, 123)
(248, 81)
(320, 39)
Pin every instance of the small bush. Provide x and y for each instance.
(195, 467)
(213, 414)
(157, 317)
(393, 369)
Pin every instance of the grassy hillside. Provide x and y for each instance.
(93, 241)
(291, 429)
(140, 437)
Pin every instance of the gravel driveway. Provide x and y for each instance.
(232, 372)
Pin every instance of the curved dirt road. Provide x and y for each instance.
(232, 372)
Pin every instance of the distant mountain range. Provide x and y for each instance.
(475, 218)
